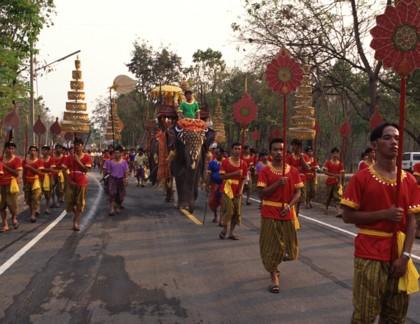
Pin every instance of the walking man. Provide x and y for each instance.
(77, 165)
(46, 176)
(58, 176)
(382, 263)
(233, 171)
(334, 169)
(279, 196)
(32, 170)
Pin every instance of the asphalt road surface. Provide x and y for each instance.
(153, 264)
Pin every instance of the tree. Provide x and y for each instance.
(153, 67)
(208, 70)
(333, 37)
(21, 21)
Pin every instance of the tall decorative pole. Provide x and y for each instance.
(396, 43)
(284, 76)
(244, 112)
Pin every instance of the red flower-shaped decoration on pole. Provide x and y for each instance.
(376, 119)
(284, 74)
(396, 37)
(245, 110)
(256, 135)
(345, 129)
(396, 43)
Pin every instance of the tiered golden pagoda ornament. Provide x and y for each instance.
(218, 125)
(303, 119)
(76, 119)
(114, 125)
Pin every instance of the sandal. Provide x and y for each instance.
(16, 225)
(274, 289)
(76, 228)
(4, 229)
(222, 235)
(233, 237)
(33, 219)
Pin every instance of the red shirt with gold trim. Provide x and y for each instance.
(227, 166)
(313, 164)
(368, 191)
(77, 175)
(57, 161)
(272, 205)
(297, 162)
(48, 164)
(249, 160)
(14, 163)
(28, 175)
(334, 168)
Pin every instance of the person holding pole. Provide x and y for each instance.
(279, 195)
(384, 274)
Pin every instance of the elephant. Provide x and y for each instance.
(188, 164)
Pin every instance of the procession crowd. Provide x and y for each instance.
(384, 274)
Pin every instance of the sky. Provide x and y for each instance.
(105, 30)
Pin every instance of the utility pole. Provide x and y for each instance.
(32, 98)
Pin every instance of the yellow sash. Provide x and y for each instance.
(61, 176)
(295, 219)
(36, 184)
(14, 187)
(46, 183)
(228, 187)
(340, 190)
(409, 282)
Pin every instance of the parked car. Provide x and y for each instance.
(409, 159)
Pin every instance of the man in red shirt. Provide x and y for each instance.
(369, 203)
(334, 169)
(58, 176)
(12, 167)
(298, 160)
(47, 175)
(310, 177)
(77, 165)
(368, 158)
(279, 196)
(32, 170)
(233, 171)
(416, 173)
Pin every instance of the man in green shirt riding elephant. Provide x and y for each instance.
(189, 108)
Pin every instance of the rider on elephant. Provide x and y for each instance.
(189, 108)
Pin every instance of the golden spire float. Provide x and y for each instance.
(114, 125)
(218, 124)
(76, 119)
(303, 119)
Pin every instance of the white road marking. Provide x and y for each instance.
(336, 228)
(36, 239)
(31, 243)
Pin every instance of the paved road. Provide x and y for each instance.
(152, 264)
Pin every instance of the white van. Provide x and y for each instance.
(409, 159)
